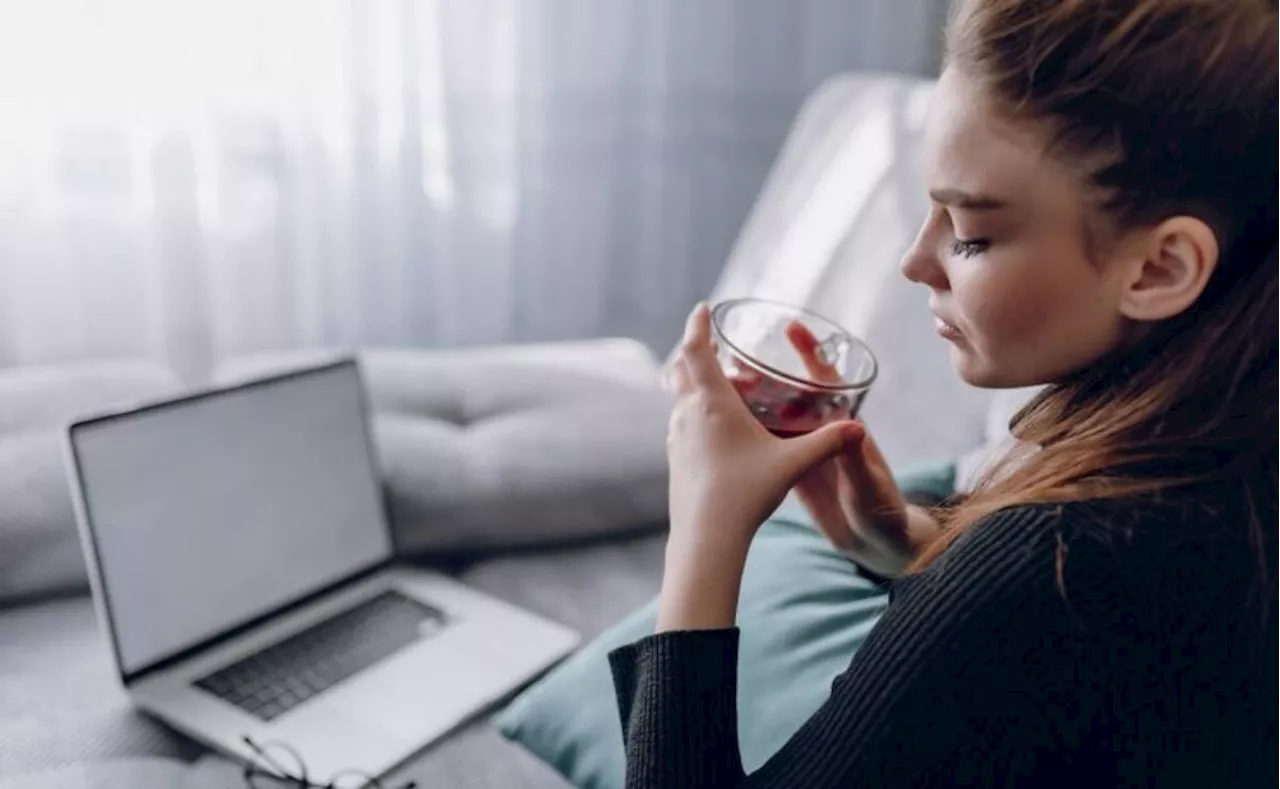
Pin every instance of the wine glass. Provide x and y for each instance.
(795, 369)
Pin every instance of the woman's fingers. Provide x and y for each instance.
(863, 467)
(808, 347)
(818, 491)
(804, 453)
(677, 374)
(698, 352)
(675, 378)
(696, 347)
(801, 338)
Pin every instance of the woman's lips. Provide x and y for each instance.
(945, 329)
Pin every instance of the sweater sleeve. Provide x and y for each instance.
(897, 714)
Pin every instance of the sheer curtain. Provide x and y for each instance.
(192, 179)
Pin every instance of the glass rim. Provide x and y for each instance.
(717, 314)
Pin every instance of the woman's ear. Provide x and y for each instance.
(1177, 258)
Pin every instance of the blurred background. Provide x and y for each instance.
(198, 191)
(189, 181)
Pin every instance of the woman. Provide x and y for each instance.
(1101, 611)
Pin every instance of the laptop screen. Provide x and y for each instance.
(209, 512)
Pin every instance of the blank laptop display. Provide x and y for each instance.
(270, 494)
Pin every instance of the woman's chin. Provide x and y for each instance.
(974, 370)
(968, 372)
(977, 370)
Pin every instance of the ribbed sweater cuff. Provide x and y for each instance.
(678, 692)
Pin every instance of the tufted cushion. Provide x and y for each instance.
(39, 546)
(511, 445)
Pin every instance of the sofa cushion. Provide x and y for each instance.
(804, 609)
(511, 446)
(39, 545)
(571, 721)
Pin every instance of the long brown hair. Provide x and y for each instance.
(1173, 102)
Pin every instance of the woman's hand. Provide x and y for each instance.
(853, 497)
(727, 475)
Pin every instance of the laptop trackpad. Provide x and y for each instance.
(431, 687)
(341, 730)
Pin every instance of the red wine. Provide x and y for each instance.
(788, 410)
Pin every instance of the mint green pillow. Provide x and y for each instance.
(804, 610)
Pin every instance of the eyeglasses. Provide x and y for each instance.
(276, 765)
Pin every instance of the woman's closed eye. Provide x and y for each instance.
(968, 247)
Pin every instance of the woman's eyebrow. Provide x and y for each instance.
(965, 200)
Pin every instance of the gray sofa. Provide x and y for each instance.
(481, 476)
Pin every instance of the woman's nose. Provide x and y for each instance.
(921, 265)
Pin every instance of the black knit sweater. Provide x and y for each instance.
(1083, 645)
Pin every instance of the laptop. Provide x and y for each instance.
(243, 568)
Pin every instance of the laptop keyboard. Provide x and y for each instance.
(269, 683)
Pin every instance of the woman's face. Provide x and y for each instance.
(1003, 249)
